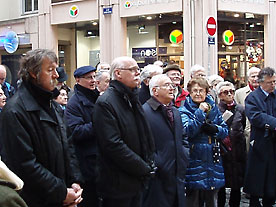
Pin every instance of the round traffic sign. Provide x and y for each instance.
(211, 26)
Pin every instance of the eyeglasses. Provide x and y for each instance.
(132, 70)
(226, 92)
(200, 91)
(167, 85)
(88, 77)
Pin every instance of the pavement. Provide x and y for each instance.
(244, 200)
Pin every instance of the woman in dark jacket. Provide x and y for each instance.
(234, 147)
(204, 126)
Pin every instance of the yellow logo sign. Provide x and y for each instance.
(176, 36)
(228, 37)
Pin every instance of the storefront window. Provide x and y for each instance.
(150, 39)
(240, 44)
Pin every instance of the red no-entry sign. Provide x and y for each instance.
(211, 26)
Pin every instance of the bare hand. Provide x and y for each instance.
(73, 196)
(204, 106)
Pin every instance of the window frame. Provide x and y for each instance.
(33, 7)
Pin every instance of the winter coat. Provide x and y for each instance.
(37, 150)
(78, 115)
(123, 164)
(8, 196)
(144, 93)
(171, 158)
(8, 89)
(180, 99)
(260, 178)
(202, 172)
(234, 161)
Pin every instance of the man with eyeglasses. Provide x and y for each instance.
(124, 138)
(168, 186)
(174, 73)
(78, 114)
(197, 71)
(6, 87)
(260, 108)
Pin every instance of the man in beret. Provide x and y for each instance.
(78, 114)
(174, 73)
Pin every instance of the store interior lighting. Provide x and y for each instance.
(236, 15)
(251, 25)
(149, 17)
(173, 22)
(94, 23)
(249, 16)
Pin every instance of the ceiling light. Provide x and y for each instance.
(149, 17)
(230, 47)
(251, 25)
(223, 46)
(160, 16)
(173, 22)
(258, 23)
(94, 23)
(236, 15)
(249, 15)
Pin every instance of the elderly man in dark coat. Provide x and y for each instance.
(124, 138)
(38, 149)
(260, 108)
(78, 115)
(167, 189)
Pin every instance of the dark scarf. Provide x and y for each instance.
(44, 98)
(91, 95)
(145, 135)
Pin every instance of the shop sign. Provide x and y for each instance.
(211, 26)
(211, 40)
(10, 41)
(228, 37)
(74, 11)
(137, 3)
(176, 36)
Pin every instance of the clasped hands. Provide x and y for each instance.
(73, 197)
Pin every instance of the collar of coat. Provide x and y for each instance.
(31, 103)
(86, 95)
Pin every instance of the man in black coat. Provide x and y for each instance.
(78, 115)
(35, 143)
(167, 189)
(124, 139)
(260, 108)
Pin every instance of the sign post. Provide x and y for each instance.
(211, 27)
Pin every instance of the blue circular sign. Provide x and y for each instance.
(11, 42)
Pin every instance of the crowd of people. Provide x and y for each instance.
(126, 137)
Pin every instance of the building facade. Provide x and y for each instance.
(84, 32)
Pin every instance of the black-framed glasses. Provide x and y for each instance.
(226, 92)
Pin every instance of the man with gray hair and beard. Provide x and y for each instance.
(37, 148)
(124, 138)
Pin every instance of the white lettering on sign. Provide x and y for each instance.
(148, 53)
(244, 1)
(150, 2)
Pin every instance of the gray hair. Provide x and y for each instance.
(119, 62)
(196, 68)
(32, 62)
(265, 72)
(253, 69)
(103, 66)
(154, 82)
(100, 73)
(212, 79)
(148, 70)
(222, 84)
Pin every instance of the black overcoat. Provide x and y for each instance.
(260, 178)
(234, 162)
(171, 158)
(36, 148)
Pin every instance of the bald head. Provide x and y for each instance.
(3, 74)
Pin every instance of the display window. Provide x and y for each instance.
(240, 44)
